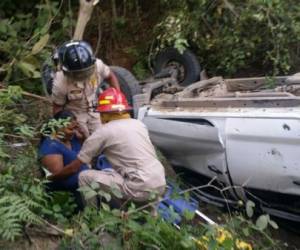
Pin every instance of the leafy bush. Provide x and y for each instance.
(14, 210)
(25, 46)
(23, 198)
(256, 36)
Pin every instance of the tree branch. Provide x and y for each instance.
(85, 12)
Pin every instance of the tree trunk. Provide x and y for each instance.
(85, 12)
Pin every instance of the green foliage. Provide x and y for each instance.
(25, 130)
(14, 211)
(138, 229)
(23, 46)
(140, 69)
(59, 207)
(230, 36)
(175, 35)
(10, 119)
(23, 198)
(52, 127)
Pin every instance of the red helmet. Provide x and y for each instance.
(112, 100)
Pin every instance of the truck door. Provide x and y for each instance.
(191, 143)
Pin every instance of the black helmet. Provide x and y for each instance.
(77, 59)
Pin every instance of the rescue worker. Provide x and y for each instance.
(75, 84)
(125, 141)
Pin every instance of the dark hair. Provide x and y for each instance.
(63, 114)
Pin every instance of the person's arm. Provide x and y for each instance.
(113, 80)
(54, 163)
(93, 145)
(107, 74)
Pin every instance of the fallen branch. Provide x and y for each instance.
(231, 7)
(42, 98)
(19, 137)
(57, 229)
(28, 94)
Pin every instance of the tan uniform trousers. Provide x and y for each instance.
(111, 179)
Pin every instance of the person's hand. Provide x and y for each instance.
(79, 132)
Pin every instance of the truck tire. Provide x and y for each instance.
(187, 64)
(128, 83)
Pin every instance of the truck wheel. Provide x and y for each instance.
(128, 83)
(186, 64)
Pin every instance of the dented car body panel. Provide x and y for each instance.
(249, 142)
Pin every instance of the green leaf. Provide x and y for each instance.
(40, 44)
(107, 196)
(105, 207)
(28, 69)
(249, 208)
(228, 244)
(56, 208)
(212, 245)
(186, 243)
(134, 225)
(262, 222)
(36, 74)
(84, 189)
(246, 231)
(116, 191)
(95, 185)
(188, 215)
(3, 26)
(25, 130)
(3, 154)
(89, 194)
(104, 194)
(273, 224)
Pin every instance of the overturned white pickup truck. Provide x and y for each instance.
(247, 141)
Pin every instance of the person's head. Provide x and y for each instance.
(61, 126)
(112, 105)
(69, 123)
(77, 60)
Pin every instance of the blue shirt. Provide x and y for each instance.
(50, 146)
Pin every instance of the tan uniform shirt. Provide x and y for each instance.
(128, 148)
(78, 97)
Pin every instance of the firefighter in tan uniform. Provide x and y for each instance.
(75, 85)
(125, 142)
